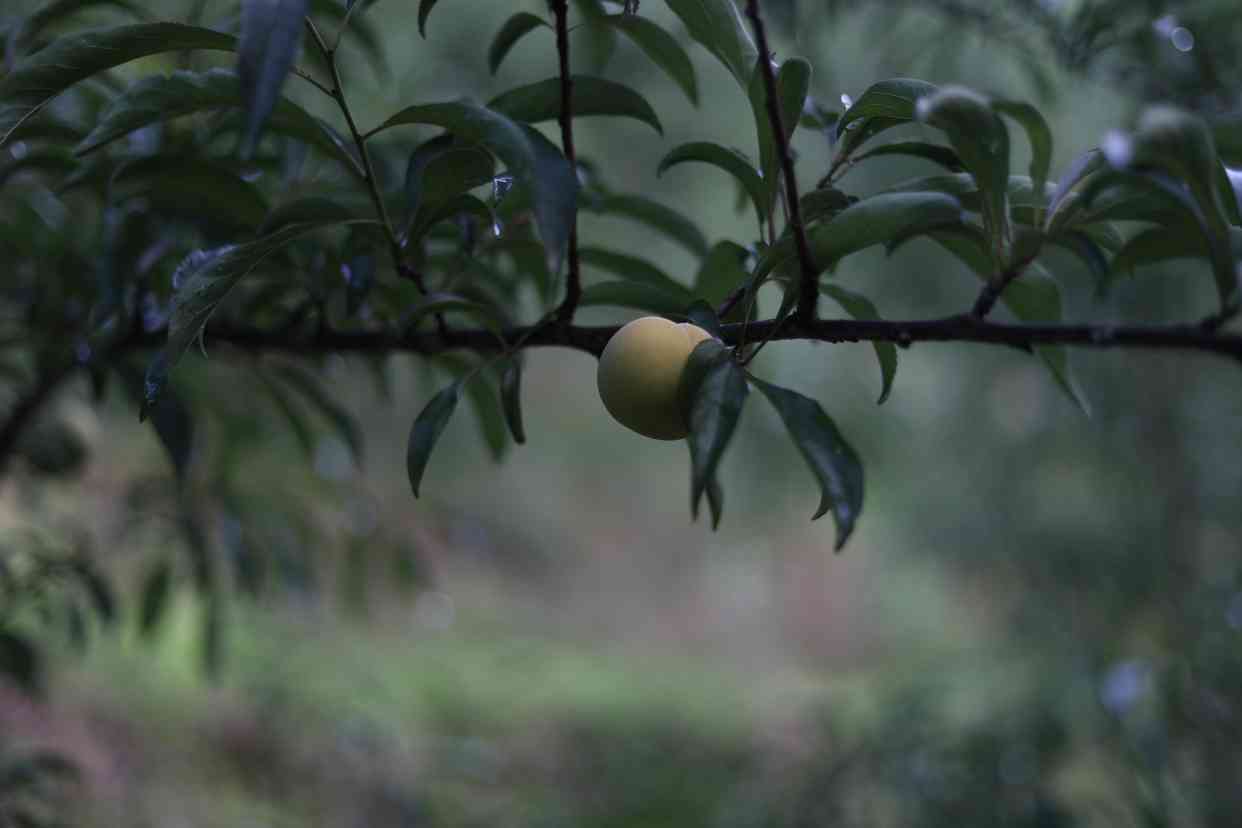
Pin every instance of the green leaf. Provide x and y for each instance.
(20, 661)
(936, 154)
(432, 213)
(832, 460)
(424, 11)
(309, 388)
(436, 172)
(1160, 244)
(658, 217)
(193, 187)
(489, 414)
(860, 307)
(311, 210)
(96, 588)
(980, 139)
(204, 279)
(531, 158)
(661, 47)
(541, 101)
(875, 220)
(1037, 132)
(428, 427)
(302, 432)
(1069, 186)
(511, 397)
(721, 272)
(793, 83)
(158, 99)
(510, 33)
(41, 77)
(633, 269)
(26, 31)
(704, 315)
(635, 295)
(823, 204)
(156, 586)
(718, 27)
(891, 100)
(271, 32)
(711, 394)
(436, 303)
(1181, 144)
(730, 160)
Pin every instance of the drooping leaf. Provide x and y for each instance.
(513, 30)
(311, 210)
(541, 101)
(711, 394)
(1070, 184)
(875, 220)
(637, 295)
(193, 187)
(205, 279)
(661, 47)
(1037, 132)
(832, 460)
(721, 272)
(980, 139)
(489, 413)
(823, 203)
(704, 315)
(936, 154)
(730, 160)
(437, 172)
(431, 213)
(718, 27)
(657, 216)
(860, 307)
(793, 82)
(97, 589)
(530, 158)
(25, 32)
(633, 269)
(443, 302)
(309, 388)
(893, 99)
(511, 397)
(158, 99)
(424, 11)
(427, 428)
(41, 77)
(156, 586)
(271, 32)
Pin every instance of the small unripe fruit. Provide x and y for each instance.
(639, 372)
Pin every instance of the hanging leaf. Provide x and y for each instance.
(513, 30)
(25, 32)
(711, 394)
(424, 11)
(718, 27)
(530, 157)
(1037, 132)
(635, 295)
(833, 461)
(194, 188)
(204, 279)
(156, 586)
(511, 397)
(428, 427)
(159, 99)
(890, 100)
(730, 160)
(437, 171)
(271, 32)
(793, 83)
(936, 154)
(541, 101)
(633, 269)
(656, 216)
(41, 77)
(860, 307)
(661, 47)
(980, 139)
(721, 272)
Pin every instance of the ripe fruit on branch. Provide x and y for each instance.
(639, 372)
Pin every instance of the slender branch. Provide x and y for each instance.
(573, 282)
(808, 290)
(338, 94)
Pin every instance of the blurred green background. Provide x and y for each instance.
(1037, 622)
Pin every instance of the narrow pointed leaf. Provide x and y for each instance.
(893, 99)
(936, 154)
(832, 460)
(156, 586)
(860, 307)
(514, 29)
(428, 427)
(193, 187)
(39, 78)
(633, 269)
(656, 216)
(717, 26)
(636, 295)
(541, 101)
(661, 47)
(511, 397)
(730, 160)
(530, 158)
(158, 99)
(437, 173)
(721, 272)
(271, 32)
(424, 11)
(712, 392)
(1038, 133)
(793, 82)
(26, 31)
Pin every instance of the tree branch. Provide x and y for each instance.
(573, 282)
(808, 288)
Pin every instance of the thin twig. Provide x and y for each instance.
(808, 291)
(338, 94)
(573, 282)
